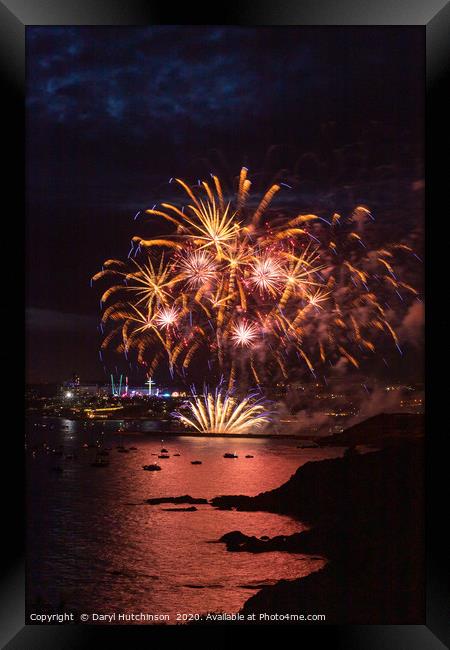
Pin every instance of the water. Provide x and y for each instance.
(96, 547)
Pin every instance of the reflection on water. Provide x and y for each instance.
(95, 546)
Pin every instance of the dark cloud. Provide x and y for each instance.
(220, 78)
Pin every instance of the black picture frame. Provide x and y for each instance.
(434, 17)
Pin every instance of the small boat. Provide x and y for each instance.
(249, 456)
(230, 456)
(196, 462)
(177, 454)
(164, 451)
(151, 468)
(123, 450)
(164, 456)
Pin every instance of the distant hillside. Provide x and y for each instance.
(379, 429)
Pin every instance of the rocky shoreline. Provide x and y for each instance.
(365, 516)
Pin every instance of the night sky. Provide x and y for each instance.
(114, 113)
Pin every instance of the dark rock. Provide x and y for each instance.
(182, 499)
(235, 537)
(188, 509)
(239, 502)
(237, 541)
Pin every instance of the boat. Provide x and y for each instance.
(151, 468)
(230, 455)
(196, 462)
(249, 456)
(177, 454)
(164, 451)
(123, 450)
(164, 456)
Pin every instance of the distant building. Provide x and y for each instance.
(124, 390)
(74, 388)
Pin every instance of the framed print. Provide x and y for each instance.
(226, 248)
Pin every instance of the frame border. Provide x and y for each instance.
(434, 17)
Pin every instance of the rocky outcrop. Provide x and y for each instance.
(188, 509)
(365, 513)
(356, 485)
(186, 498)
(297, 543)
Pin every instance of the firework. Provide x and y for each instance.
(220, 412)
(166, 317)
(306, 289)
(266, 274)
(198, 267)
(244, 334)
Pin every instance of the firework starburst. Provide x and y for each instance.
(221, 412)
(307, 289)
